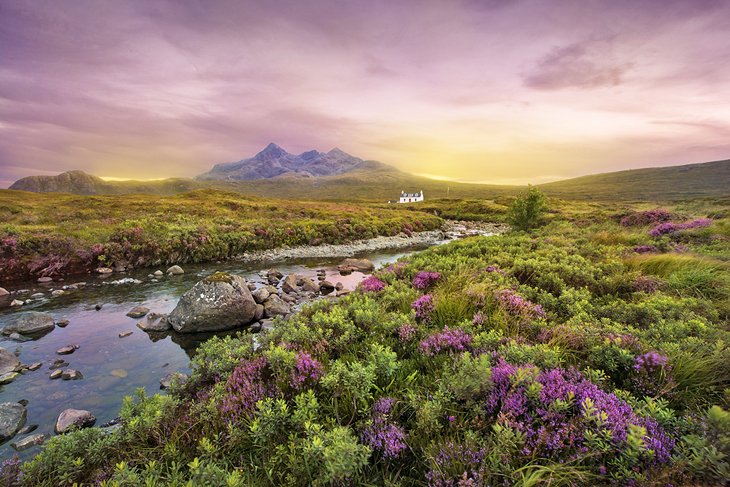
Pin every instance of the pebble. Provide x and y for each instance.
(125, 334)
(121, 373)
(158, 273)
(37, 295)
(56, 374)
(8, 377)
(35, 366)
(71, 374)
(58, 292)
(58, 364)
(98, 307)
(44, 279)
(138, 312)
(67, 350)
(62, 323)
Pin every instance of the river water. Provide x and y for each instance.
(114, 367)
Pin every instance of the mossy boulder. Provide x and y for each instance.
(221, 301)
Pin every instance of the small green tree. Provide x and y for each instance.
(526, 210)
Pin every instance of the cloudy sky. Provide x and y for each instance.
(503, 91)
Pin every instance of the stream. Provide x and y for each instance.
(115, 367)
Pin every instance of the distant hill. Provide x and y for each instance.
(655, 183)
(373, 181)
(79, 182)
(274, 162)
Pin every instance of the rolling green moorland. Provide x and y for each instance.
(590, 347)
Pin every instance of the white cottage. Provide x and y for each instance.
(410, 197)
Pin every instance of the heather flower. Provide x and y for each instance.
(244, 388)
(646, 218)
(479, 319)
(372, 284)
(306, 371)
(406, 332)
(455, 340)
(423, 307)
(424, 280)
(645, 249)
(554, 409)
(652, 374)
(516, 305)
(670, 227)
(383, 434)
(396, 269)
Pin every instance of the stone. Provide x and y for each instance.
(16, 302)
(8, 377)
(4, 292)
(125, 334)
(98, 307)
(260, 311)
(37, 295)
(275, 306)
(158, 273)
(287, 298)
(58, 364)
(221, 301)
(260, 295)
(12, 418)
(8, 361)
(56, 374)
(67, 350)
(31, 323)
(273, 280)
(62, 323)
(72, 374)
(104, 270)
(28, 441)
(359, 265)
(138, 312)
(175, 270)
(272, 289)
(45, 279)
(274, 273)
(169, 379)
(326, 285)
(154, 323)
(121, 373)
(73, 418)
(58, 292)
(255, 328)
(309, 285)
(290, 284)
(251, 286)
(35, 366)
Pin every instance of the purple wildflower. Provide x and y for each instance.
(383, 434)
(645, 249)
(455, 340)
(652, 374)
(646, 284)
(457, 464)
(406, 332)
(244, 388)
(372, 284)
(650, 217)
(479, 319)
(423, 307)
(306, 371)
(669, 227)
(516, 305)
(424, 279)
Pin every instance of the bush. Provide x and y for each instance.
(525, 212)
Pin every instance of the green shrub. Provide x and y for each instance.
(525, 212)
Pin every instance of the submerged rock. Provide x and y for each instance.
(31, 323)
(67, 350)
(71, 374)
(56, 374)
(8, 378)
(12, 418)
(73, 418)
(154, 322)
(62, 323)
(221, 301)
(125, 334)
(8, 361)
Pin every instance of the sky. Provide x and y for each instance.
(498, 91)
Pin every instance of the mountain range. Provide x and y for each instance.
(336, 175)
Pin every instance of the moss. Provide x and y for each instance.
(220, 277)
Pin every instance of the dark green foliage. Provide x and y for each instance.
(525, 212)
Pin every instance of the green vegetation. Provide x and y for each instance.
(588, 352)
(55, 234)
(526, 210)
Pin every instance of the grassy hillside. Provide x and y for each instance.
(658, 184)
(593, 351)
(55, 234)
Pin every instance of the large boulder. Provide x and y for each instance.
(221, 301)
(12, 418)
(359, 265)
(70, 418)
(31, 323)
(290, 283)
(8, 361)
(309, 285)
